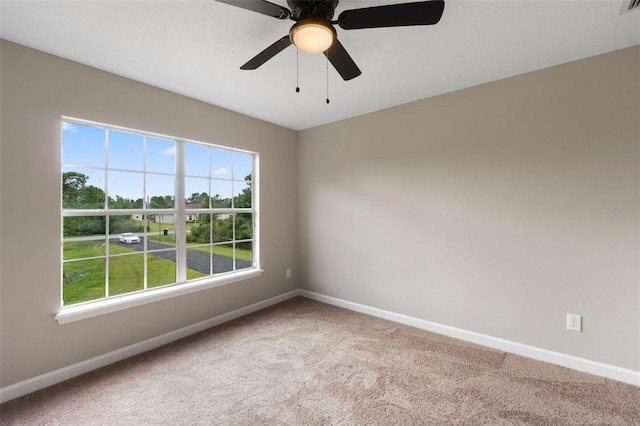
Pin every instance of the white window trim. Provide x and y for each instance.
(93, 308)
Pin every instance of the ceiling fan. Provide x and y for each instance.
(313, 31)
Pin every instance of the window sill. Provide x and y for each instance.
(101, 307)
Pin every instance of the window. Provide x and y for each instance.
(142, 211)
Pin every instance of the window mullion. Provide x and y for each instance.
(106, 217)
(145, 206)
(180, 227)
(255, 201)
(106, 258)
(212, 217)
(233, 214)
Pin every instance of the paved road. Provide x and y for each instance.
(197, 260)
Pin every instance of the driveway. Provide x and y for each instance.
(196, 260)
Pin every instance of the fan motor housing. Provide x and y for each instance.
(312, 9)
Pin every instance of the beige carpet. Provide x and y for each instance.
(306, 363)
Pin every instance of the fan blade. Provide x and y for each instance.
(267, 54)
(341, 61)
(393, 15)
(260, 6)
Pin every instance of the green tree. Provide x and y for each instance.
(243, 200)
(120, 202)
(220, 203)
(222, 228)
(92, 197)
(201, 199)
(84, 226)
(244, 229)
(120, 224)
(201, 231)
(76, 194)
(161, 202)
(73, 183)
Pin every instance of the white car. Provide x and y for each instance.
(129, 238)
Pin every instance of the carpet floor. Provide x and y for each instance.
(303, 362)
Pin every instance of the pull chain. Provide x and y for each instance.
(327, 77)
(297, 71)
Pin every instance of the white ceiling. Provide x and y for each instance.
(195, 48)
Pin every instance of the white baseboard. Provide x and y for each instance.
(581, 364)
(40, 382)
(597, 368)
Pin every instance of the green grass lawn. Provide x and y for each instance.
(221, 250)
(154, 227)
(163, 239)
(126, 273)
(85, 280)
(84, 249)
(159, 237)
(225, 250)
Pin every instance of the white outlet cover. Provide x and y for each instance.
(574, 322)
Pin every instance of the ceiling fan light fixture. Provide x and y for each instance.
(312, 36)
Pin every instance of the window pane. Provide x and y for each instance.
(244, 255)
(82, 189)
(83, 145)
(196, 160)
(199, 261)
(160, 231)
(82, 249)
(161, 155)
(220, 193)
(83, 226)
(242, 165)
(89, 233)
(197, 192)
(116, 247)
(222, 258)
(160, 191)
(222, 228)
(198, 200)
(125, 151)
(200, 231)
(242, 195)
(83, 280)
(161, 268)
(125, 190)
(120, 228)
(133, 247)
(244, 226)
(192, 217)
(221, 163)
(126, 274)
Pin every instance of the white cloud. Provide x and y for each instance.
(169, 152)
(68, 127)
(221, 171)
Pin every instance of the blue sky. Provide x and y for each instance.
(84, 147)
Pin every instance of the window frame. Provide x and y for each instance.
(111, 303)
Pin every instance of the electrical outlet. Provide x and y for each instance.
(288, 272)
(574, 322)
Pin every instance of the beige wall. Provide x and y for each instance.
(37, 89)
(496, 209)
